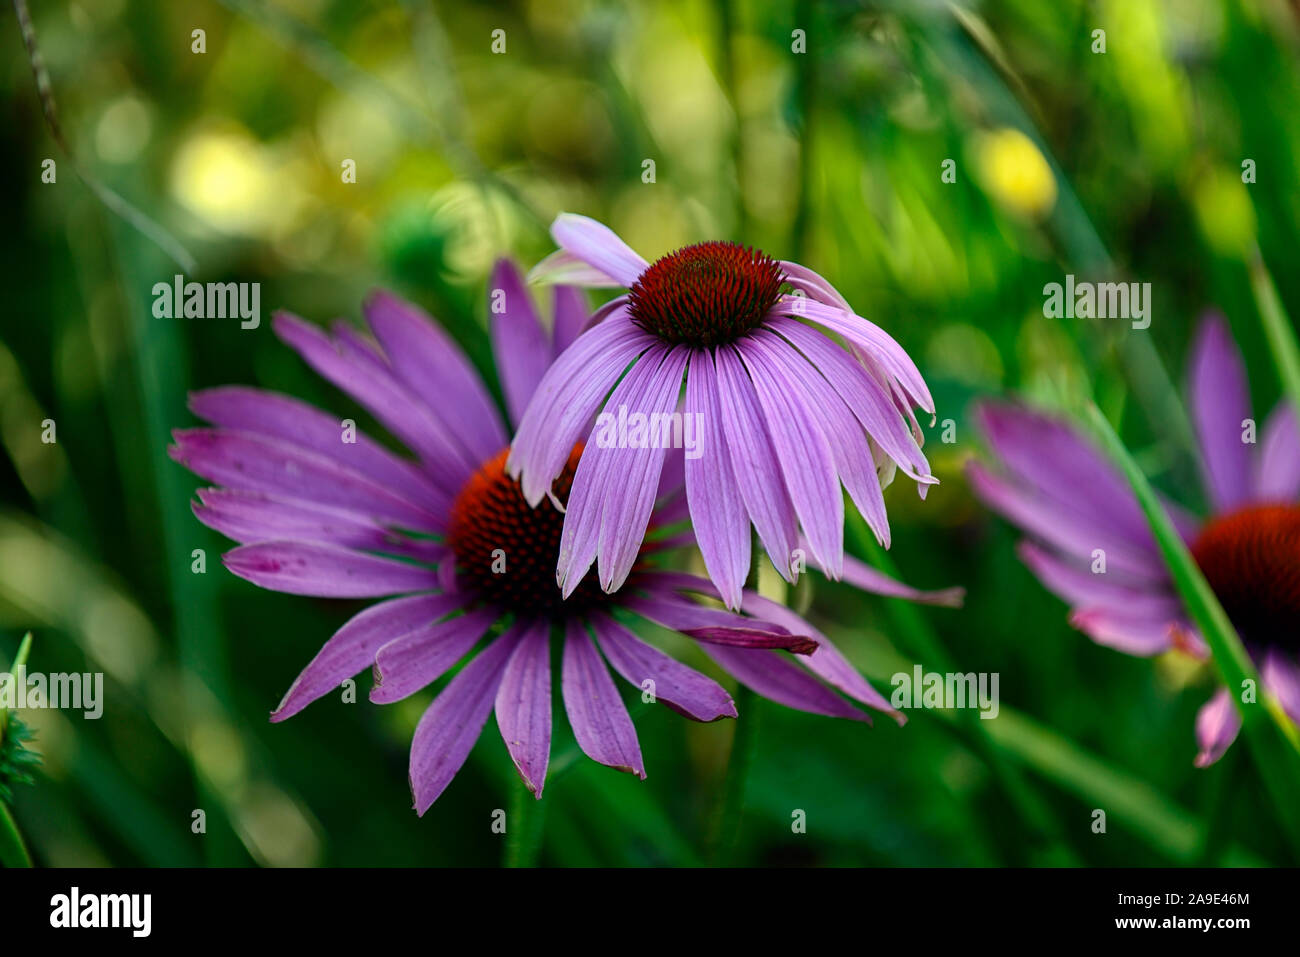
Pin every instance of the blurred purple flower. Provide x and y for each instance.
(451, 544)
(787, 413)
(1075, 506)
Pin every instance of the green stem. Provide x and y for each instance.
(744, 742)
(1278, 328)
(524, 828)
(13, 853)
(1267, 730)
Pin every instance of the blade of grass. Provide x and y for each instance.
(20, 659)
(147, 227)
(1278, 328)
(1263, 726)
(13, 852)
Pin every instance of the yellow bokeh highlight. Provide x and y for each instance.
(1015, 173)
(1224, 212)
(238, 185)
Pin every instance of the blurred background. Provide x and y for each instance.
(816, 131)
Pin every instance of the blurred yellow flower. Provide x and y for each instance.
(1014, 173)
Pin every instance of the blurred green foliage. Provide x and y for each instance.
(1126, 163)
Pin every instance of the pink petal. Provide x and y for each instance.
(417, 659)
(1220, 402)
(452, 724)
(352, 648)
(682, 689)
(325, 571)
(523, 704)
(596, 712)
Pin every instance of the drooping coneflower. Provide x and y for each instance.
(787, 413)
(1075, 506)
(459, 556)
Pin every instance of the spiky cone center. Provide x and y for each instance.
(705, 295)
(1251, 559)
(506, 551)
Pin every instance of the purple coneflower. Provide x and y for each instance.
(787, 413)
(1080, 512)
(459, 554)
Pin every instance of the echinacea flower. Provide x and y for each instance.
(1090, 544)
(787, 414)
(458, 555)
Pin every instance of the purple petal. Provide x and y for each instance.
(863, 576)
(567, 397)
(257, 517)
(599, 246)
(682, 689)
(419, 658)
(389, 401)
(452, 724)
(717, 511)
(241, 460)
(571, 314)
(362, 347)
(779, 679)
(827, 662)
(754, 462)
(804, 454)
(815, 285)
(281, 417)
(1217, 724)
(1281, 676)
(432, 366)
(325, 571)
(716, 626)
(1130, 633)
(1054, 459)
(868, 337)
(1077, 585)
(850, 448)
(353, 647)
(523, 705)
(1277, 474)
(562, 266)
(629, 503)
(596, 712)
(600, 484)
(1220, 401)
(519, 344)
(870, 401)
(1046, 520)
